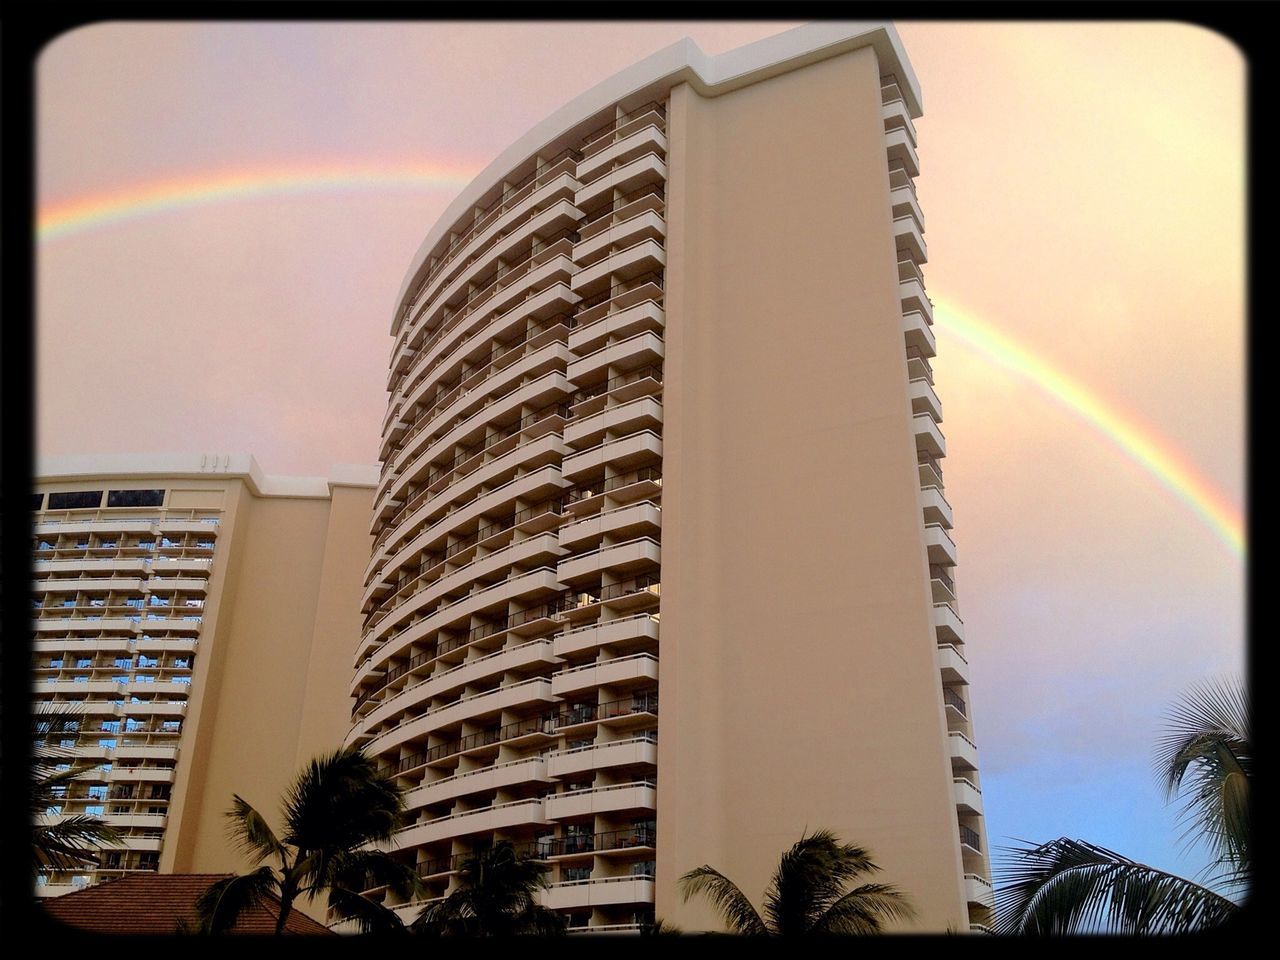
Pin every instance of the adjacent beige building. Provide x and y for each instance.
(662, 421)
(198, 614)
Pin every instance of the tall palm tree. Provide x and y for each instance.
(498, 897)
(1070, 886)
(807, 893)
(335, 809)
(67, 843)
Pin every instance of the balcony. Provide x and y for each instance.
(640, 630)
(955, 668)
(644, 349)
(941, 548)
(639, 259)
(924, 399)
(634, 519)
(928, 437)
(497, 777)
(979, 891)
(968, 796)
(620, 234)
(947, 624)
(964, 752)
(627, 178)
(904, 202)
(624, 454)
(641, 795)
(898, 117)
(499, 816)
(956, 708)
(650, 138)
(970, 842)
(639, 669)
(628, 595)
(621, 558)
(935, 506)
(918, 334)
(913, 298)
(930, 469)
(901, 151)
(632, 751)
(637, 318)
(645, 382)
(575, 894)
(909, 239)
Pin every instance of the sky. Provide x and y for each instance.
(1084, 190)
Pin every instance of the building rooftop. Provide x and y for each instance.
(158, 903)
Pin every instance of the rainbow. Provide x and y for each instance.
(1138, 442)
(98, 210)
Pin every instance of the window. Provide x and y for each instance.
(68, 744)
(131, 725)
(107, 544)
(171, 726)
(82, 679)
(145, 661)
(135, 602)
(70, 602)
(166, 542)
(643, 868)
(55, 664)
(183, 663)
(53, 811)
(120, 678)
(576, 873)
(124, 663)
(37, 500)
(95, 810)
(195, 603)
(98, 792)
(159, 601)
(84, 662)
(79, 500)
(144, 678)
(135, 498)
(204, 544)
(180, 680)
(97, 601)
(111, 726)
(35, 602)
(108, 742)
(146, 544)
(45, 545)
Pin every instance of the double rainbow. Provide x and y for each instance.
(1140, 443)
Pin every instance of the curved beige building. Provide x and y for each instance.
(661, 419)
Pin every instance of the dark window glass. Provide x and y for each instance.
(36, 500)
(135, 498)
(75, 501)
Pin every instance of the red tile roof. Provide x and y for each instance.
(154, 903)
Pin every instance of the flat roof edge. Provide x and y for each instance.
(125, 466)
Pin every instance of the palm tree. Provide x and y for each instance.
(498, 897)
(1070, 886)
(807, 893)
(335, 809)
(68, 843)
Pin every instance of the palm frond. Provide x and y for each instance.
(341, 801)
(369, 915)
(70, 843)
(1208, 749)
(365, 869)
(252, 834)
(864, 910)
(221, 905)
(731, 903)
(1069, 886)
(811, 876)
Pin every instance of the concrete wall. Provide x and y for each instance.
(798, 675)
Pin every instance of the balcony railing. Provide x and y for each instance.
(954, 699)
(938, 572)
(646, 702)
(485, 738)
(969, 837)
(514, 195)
(618, 289)
(599, 842)
(656, 189)
(595, 136)
(608, 386)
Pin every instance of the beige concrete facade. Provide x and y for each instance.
(228, 685)
(661, 417)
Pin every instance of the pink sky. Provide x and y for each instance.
(1084, 191)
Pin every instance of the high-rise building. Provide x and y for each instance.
(662, 428)
(193, 617)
